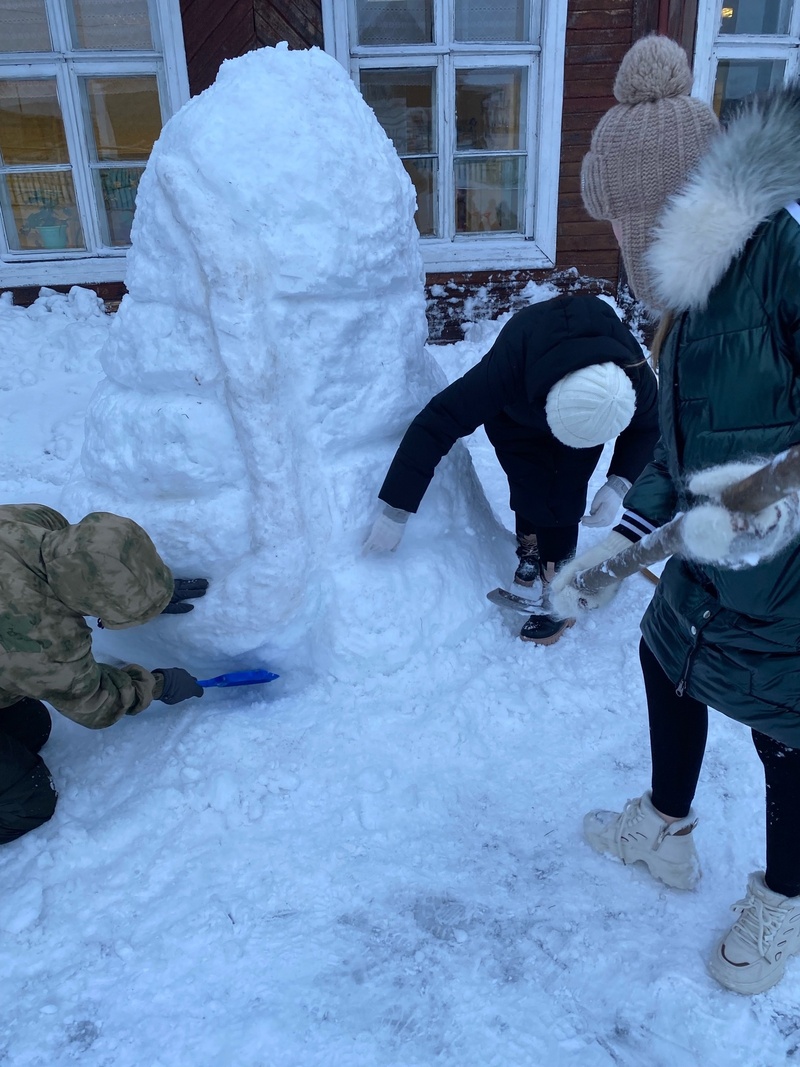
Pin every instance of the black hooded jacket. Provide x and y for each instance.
(506, 392)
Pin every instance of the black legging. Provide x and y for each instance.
(554, 543)
(678, 731)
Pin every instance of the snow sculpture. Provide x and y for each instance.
(261, 371)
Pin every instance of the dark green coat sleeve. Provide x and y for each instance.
(653, 494)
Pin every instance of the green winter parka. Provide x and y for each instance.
(727, 265)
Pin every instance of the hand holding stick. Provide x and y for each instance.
(745, 498)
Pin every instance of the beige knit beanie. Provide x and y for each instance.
(643, 149)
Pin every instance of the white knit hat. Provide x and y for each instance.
(590, 406)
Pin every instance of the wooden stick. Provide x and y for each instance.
(749, 496)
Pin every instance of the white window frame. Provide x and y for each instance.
(167, 61)
(544, 59)
(711, 46)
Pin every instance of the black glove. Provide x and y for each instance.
(178, 685)
(185, 589)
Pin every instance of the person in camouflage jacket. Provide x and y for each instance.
(52, 575)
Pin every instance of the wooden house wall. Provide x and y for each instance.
(215, 30)
(599, 32)
(299, 22)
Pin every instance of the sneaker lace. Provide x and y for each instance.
(632, 814)
(757, 923)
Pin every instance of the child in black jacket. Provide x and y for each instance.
(563, 377)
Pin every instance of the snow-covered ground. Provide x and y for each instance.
(385, 869)
(375, 861)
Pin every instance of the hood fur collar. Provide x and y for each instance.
(750, 172)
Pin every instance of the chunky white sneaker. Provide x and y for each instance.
(639, 833)
(752, 955)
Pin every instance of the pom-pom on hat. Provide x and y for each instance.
(644, 149)
(591, 405)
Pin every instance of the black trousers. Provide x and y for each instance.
(27, 795)
(678, 731)
(555, 543)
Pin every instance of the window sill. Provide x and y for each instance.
(74, 270)
(491, 253)
(437, 256)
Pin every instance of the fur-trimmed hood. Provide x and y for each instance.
(750, 172)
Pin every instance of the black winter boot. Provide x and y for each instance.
(529, 567)
(545, 629)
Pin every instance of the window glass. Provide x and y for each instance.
(501, 20)
(117, 194)
(382, 22)
(489, 194)
(40, 212)
(31, 126)
(403, 102)
(738, 78)
(424, 174)
(756, 16)
(110, 24)
(489, 109)
(125, 116)
(23, 26)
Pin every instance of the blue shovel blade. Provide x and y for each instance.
(238, 678)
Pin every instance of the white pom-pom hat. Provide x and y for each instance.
(591, 405)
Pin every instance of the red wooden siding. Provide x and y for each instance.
(214, 30)
(299, 22)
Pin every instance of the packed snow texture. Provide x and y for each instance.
(384, 870)
(377, 864)
(259, 373)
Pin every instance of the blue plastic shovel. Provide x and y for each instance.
(256, 677)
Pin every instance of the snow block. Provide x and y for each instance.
(260, 373)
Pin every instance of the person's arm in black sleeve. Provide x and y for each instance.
(455, 412)
(635, 445)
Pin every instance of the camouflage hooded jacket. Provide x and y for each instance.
(52, 574)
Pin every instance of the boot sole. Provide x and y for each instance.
(568, 624)
(673, 877)
(734, 980)
(525, 585)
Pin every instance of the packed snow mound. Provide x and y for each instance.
(260, 374)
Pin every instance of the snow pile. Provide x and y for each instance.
(49, 362)
(262, 370)
(378, 870)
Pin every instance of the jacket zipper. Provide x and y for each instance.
(680, 689)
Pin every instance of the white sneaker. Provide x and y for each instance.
(752, 955)
(639, 833)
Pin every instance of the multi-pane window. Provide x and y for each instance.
(85, 86)
(469, 92)
(745, 47)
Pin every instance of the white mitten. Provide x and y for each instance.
(713, 481)
(566, 598)
(387, 531)
(606, 502)
(733, 540)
